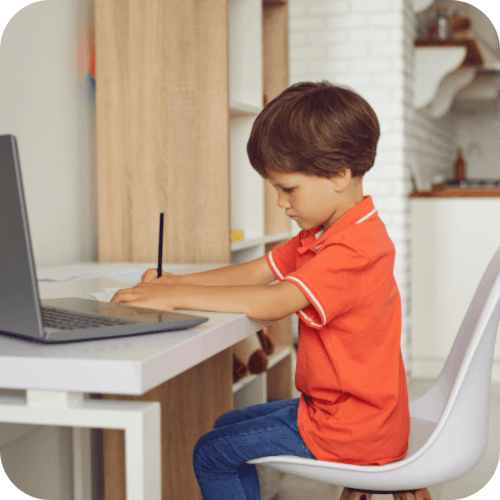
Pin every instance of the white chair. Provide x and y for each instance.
(449, 423)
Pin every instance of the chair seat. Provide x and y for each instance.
(389, 477)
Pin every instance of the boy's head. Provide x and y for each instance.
(315, 129)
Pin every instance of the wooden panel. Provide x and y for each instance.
(275, 39)
(162, 129)
(190, 403)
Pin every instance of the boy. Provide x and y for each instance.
(314, 143)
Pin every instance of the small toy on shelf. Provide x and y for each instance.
(237, 235)
(250, 355)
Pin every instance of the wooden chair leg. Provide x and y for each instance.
(345, 494)
(407, 495)
(360, 495)
(350, 494)
(422, 494)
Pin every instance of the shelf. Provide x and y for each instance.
(421, 5)
(457, 193)
(245, 381)
(280, 353)
(432, 64)
(245, 52)
(482, 94)
(253, 242)
(447, 69)
(237, 109)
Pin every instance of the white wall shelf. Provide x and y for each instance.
(271, 238)
(245, 52)
(451, 84)
(432, 65)
(237, 108)
(480, 95)
(421, 5)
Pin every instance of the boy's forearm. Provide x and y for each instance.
(237, 274)
(256, 301)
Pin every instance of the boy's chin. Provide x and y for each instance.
(305, 224)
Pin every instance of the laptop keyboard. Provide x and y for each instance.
(63, 320)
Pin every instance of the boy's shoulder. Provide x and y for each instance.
(369, 237)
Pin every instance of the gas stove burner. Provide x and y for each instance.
(474, 183)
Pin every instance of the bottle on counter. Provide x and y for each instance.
(444, 30)
(460, 166)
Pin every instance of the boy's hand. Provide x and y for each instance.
(152, 295)
(152, 274)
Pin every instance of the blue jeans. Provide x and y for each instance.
(239, 435)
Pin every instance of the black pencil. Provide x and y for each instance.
(160, 246)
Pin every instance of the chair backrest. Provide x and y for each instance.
(459, 400)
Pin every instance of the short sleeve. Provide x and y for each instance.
(282, 259)
(331, 281)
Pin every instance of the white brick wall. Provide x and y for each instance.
(478, 135)
(368, 45)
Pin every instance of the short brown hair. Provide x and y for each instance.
(316, 129)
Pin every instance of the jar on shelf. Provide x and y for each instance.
(444, 30)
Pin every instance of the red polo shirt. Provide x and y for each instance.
(354, 404)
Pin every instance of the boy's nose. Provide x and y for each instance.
(283, 202)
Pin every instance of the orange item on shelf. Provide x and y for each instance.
(237, 235)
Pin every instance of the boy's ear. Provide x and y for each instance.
(342, 179)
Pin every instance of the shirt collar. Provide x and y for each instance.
(355, 215)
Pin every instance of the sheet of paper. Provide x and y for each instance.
(105, 296)
(58, 275)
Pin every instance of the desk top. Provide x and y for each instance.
(127, 365)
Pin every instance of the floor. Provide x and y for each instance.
(295, 488)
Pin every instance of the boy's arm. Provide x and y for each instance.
(255, 272)
(260, 302)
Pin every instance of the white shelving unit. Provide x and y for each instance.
(253, 389)
(245, 100)
(247, 52)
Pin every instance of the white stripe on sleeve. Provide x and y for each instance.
(315, 300)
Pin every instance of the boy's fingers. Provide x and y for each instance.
(124, 295)
(149, 275)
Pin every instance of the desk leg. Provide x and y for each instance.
(190, 403)
(139, 420)
(82, 463)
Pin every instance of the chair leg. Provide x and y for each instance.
(345, 494)
(422, 494)
(350, 494)
(407, 495)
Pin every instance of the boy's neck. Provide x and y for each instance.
(350, 197)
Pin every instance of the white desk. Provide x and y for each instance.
(56, 377)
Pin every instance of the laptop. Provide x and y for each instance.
(72, 319)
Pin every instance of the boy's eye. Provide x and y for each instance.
(288, 190)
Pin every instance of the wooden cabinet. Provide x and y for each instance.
(179, 85)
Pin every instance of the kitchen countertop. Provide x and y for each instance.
(448, 192)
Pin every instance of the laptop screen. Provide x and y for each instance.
(19, 298)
